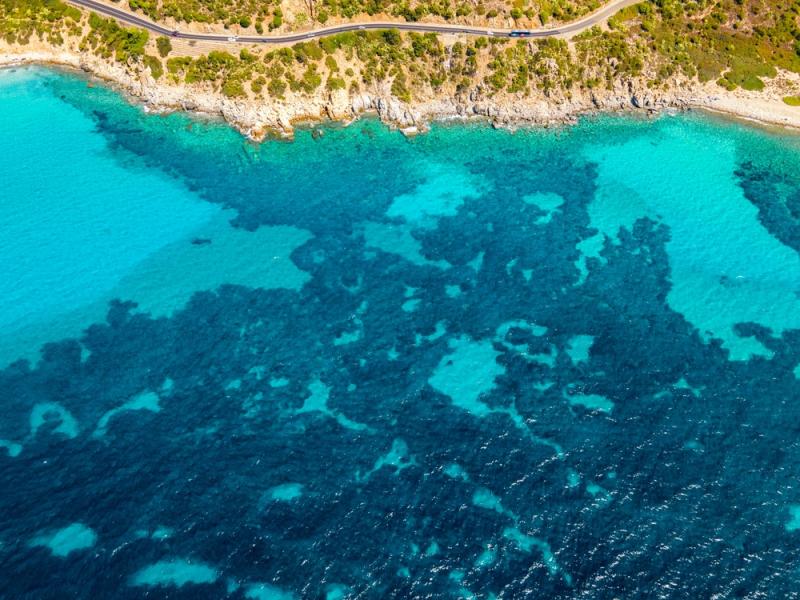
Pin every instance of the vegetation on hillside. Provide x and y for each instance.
(737, 43)
(270, 13)
(47, 19)
(107, 38)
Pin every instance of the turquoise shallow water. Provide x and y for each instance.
(471, 364)
(87, 229)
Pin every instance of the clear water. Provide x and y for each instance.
(557, 363)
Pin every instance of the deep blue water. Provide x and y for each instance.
(549, 364)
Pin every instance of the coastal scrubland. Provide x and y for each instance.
(735, 43)
(261, 15)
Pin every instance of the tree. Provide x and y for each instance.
(164, 46)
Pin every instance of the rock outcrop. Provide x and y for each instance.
(260, 118)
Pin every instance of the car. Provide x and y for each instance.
(233, 38)
(519, 33)
(174, 33)
(361, 27)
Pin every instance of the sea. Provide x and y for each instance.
(551, 363)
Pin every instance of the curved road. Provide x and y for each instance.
(570, 28)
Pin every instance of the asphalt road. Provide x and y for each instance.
(139, 21)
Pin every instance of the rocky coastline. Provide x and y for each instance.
(260, 119)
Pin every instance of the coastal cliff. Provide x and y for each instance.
(410, 80)
(257, 118)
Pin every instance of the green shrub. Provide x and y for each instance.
(306, 52)
(311, 79)
(725, 83)
(400, 89)
(109, 38)
(336, 83)
(257, 85)
(276, 87)
(179, 64)
(277, 19)
(392, 37)
(233, 88)
(164, 46)
(154, 64)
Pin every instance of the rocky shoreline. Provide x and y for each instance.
(259, 119)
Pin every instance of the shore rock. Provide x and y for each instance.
(258, 118)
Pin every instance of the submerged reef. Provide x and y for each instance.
(469, 364)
